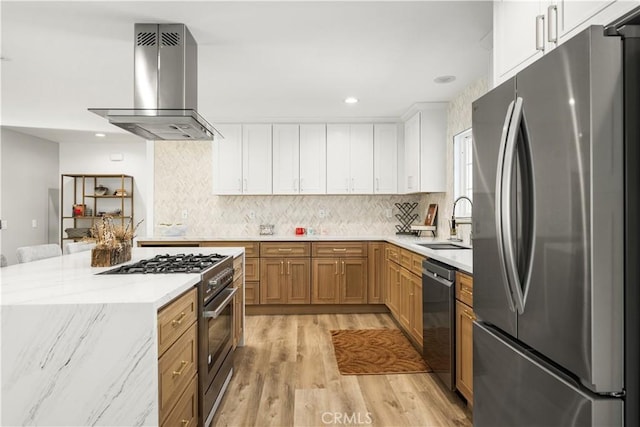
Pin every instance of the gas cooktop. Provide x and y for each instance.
(165, 264)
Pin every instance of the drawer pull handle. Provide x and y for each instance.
(185, 423)
(284, 249)
(465, 290)
(339, 249)
(183, 366)
(178, 320)
(467, 314)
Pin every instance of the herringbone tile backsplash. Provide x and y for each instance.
(183, 174)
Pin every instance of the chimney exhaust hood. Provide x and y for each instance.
(165, 100)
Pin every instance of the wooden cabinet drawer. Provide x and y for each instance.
(251, 269)
(416, 263)
(175, 318)
(251, 249)
(252, 293)
(285, 249)
(176, 368)
(405, 258)
(393, 253)
(464, 288)
(185, 413)
(339, 249)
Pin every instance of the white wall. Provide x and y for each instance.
(95, 158)
(30, 185)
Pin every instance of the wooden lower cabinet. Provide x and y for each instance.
(185, 413)
(393, 287)
(285, 281)
(406, 288)
(415, 318)
(464, 350)
(339, 281)
(252, 293)
(376, 261)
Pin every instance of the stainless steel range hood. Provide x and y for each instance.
(165, 87)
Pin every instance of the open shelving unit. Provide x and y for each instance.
(80, 190)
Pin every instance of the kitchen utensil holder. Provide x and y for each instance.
(406, 217)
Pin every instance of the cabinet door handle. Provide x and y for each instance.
(540, 33)
(301, 180)
(245, 184)
(552, 24)
(336, 271)
(353, 185)
(183, 366)
(343, 268)
(178, 320)
(185, 423)
(339, 249)
(377, 184)
(289, 267)
(281, 267)
(468, 315)
(466, 291)
(284, 249)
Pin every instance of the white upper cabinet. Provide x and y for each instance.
(518, 35)
(525, 30)
(227, 160)
(299, 159)
(256, 159)
(313, 159)
(425, 142)
(412, 154)
(286, 159)
(242, 160)
(385, 158)
(350, 159)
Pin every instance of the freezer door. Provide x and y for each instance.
(491, 299)
(573, 313)
(512, 388)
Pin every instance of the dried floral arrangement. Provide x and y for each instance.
(110, 236)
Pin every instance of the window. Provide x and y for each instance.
(463, 172)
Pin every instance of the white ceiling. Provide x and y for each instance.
(257, 60)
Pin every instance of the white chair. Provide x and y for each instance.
(73, 247)
(34, 253)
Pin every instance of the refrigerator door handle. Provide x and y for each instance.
(518, 126)
(499, 202)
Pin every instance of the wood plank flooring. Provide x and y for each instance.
(286, 375)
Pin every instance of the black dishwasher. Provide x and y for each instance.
(438, 319)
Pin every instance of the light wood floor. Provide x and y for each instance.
(286, 375)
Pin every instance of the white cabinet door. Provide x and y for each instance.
(385, 158)
(514, 35)
(361, 159)
(286, 159)
(313, 159)
(338, 174)
(433, 149)
(256, 159)
(412, 154)
(227, 160)
(576, 15)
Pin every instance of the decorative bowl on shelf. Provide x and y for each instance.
(100, 190)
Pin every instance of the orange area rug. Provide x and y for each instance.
(375, 352)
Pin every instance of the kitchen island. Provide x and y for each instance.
(81, 349)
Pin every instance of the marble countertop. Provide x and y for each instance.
(461, 259)
(70, 279)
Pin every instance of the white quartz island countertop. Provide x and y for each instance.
(80, 349)
(461, 259)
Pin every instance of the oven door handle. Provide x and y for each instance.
(215, 313)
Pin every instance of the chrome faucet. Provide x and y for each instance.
(453, 224)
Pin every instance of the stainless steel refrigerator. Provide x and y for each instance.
(555, 241)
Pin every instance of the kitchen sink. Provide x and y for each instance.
(442, 246)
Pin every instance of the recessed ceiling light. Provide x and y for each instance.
(100, 135)
(351, 100)
(444, 79)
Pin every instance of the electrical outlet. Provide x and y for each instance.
(252, 214)
(322, 213)
(34, 223)
(185, 214)
(388, 213)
